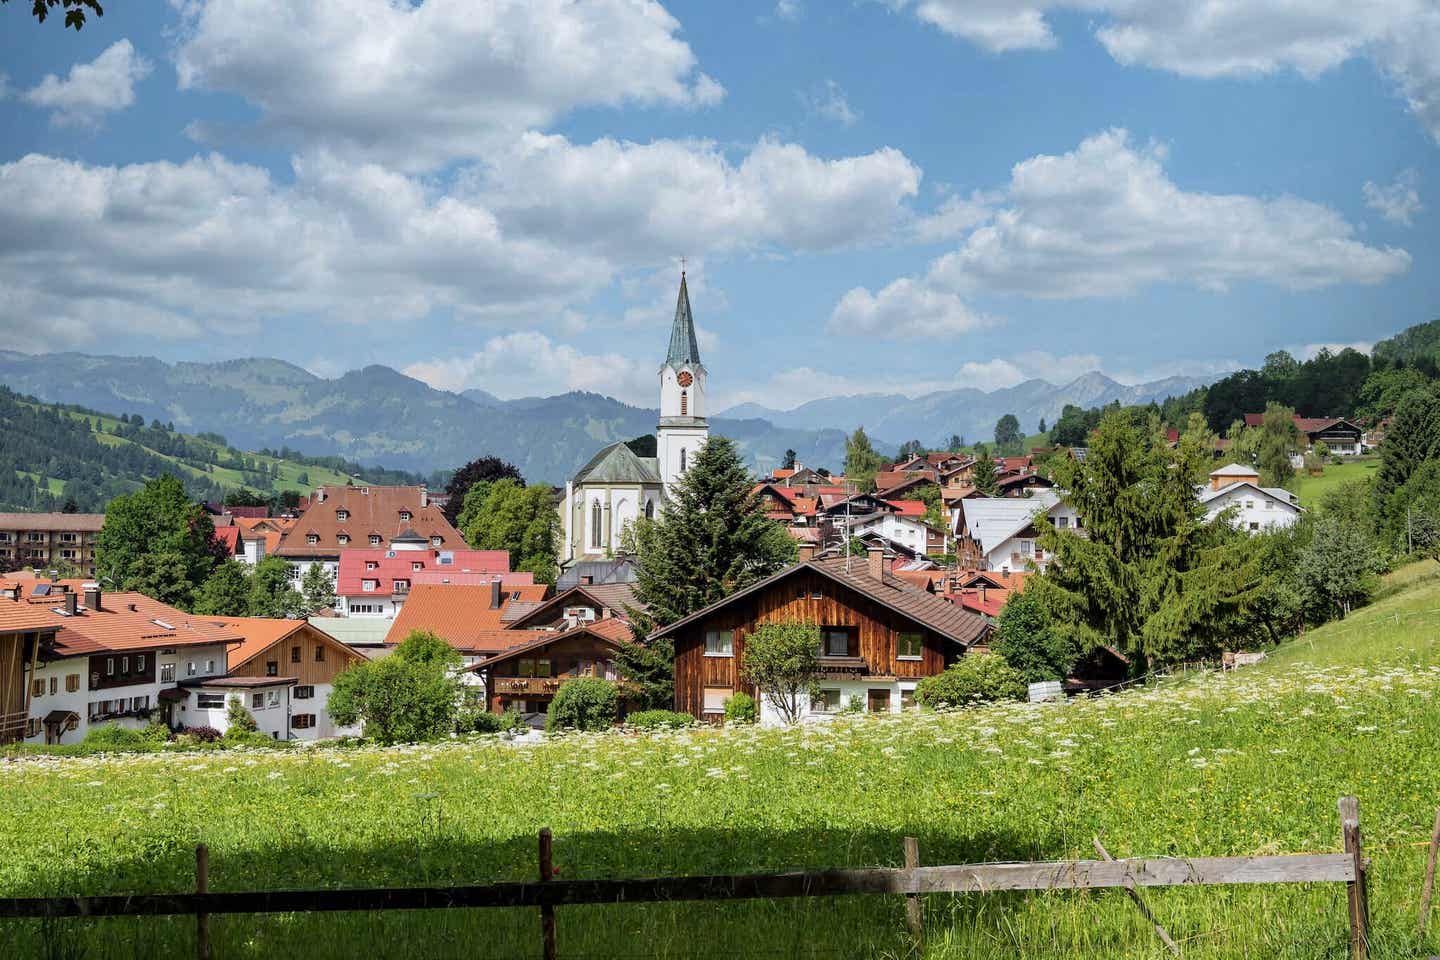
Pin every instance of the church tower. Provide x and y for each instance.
(682, 429)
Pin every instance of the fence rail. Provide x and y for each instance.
(911, 881)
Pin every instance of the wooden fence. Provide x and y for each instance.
(912, 881)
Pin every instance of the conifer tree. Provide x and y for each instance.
(1412, 438)
(983, 478)
(861, 460)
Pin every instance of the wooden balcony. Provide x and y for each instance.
(527, 686)
(12, 726)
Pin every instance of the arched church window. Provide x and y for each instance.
(684, 403)
(595, 522)
(649, 509)
(682, 459)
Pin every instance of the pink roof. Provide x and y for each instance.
(392, 565)
(522, 578)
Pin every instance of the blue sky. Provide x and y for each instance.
(897, 195)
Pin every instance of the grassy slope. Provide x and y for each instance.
(1310, 489)
(289, 470)
(1247, 763)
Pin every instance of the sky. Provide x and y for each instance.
(869, 195)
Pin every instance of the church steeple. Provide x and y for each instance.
(684, 347)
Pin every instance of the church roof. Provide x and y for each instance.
(684, 348)
(617, 463)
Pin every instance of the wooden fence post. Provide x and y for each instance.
(1357, 893)
(1144, 907)
(1428, 890)
(202, 885)
(547, 912)
(914, 910)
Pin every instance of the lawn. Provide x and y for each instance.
(1246, 763)
(1310, 489)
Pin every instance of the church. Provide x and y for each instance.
(617, 487)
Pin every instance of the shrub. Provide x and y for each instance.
(741, 708)
(203, 734)
(976, 678)
(237, 716)
(156, 734)
(399, 700)
(659, 720)
(474, 718)
(112, 736)
(1029, 642)
(584, 703)
(513, 722)
(238, 737)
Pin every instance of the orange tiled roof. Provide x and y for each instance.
(261, 633)
(369, 510)
(459, 613)
(129, 621)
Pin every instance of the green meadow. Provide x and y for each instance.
(1250, 762)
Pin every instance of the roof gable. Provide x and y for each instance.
(617, 463)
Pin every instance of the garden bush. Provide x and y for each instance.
(975, 678)
(112, 736)
(202, 734)
(474, 718)
(583, 703)
(513, 722)
(741, 708)
(659, 719)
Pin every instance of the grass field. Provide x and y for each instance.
(1310, 489)
(1245, 763)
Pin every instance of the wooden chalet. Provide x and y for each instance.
(879, 636)
(24, 629)
(526, 677)
(588, 603)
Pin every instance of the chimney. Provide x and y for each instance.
(982, 591)
(424, 497)
(92, 596)
(70, 603)
(807, 552)
(495, 594)
(875, 562)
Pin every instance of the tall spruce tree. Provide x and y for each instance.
(983, 478)
(861, 460)
(1412, 438)
(1149, 576)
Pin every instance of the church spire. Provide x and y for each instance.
(684, 348)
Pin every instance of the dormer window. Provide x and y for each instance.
(371, 565)
(343, 539)
(417, 566)
(404, 514)
(369, 585)
(374, 539)
(436, 541)
(312, 538)
(342, 515)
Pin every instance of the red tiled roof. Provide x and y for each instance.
(908, 508)
(392, 565)
(230, 537)
(460, 614)
(115, 626)
(370, 510)
(259, 634)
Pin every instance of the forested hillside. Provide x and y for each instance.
(55, 457)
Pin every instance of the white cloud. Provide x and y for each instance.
(529, 364)
(1224, 38)
(955, 217)
(791, 10)
(644, 202)
(904, 310)
(416, 85)
(104, 85)
(829, 101)
(1398, 202)
(1105, 220)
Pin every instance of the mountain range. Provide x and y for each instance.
(377, 415)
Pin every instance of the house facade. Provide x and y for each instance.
(526, 677)
(1002, 533)
(375, 582)
(43, 540)
(879, 636)
(1251, 507)
(340, 518)
(1342, 436)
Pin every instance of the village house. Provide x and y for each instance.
(24, 632)
(375, 582)
(340, 518)
(471, 618)
(1000, 533)
(878, 637)
(1236, 488)
(526, 677)
(44, 540)
(1344, 437)
(580, 605)
(115, 658)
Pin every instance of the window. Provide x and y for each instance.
(715, 698)
(272, 668)
(140, 663)
(649, 509)
(54, 686)
(684, 403)
(719, 643)
(542, 668)
(1254, 526)
(1062, 523)
(595, 525)
(374, 541)
(273, 699)
(302, 721)
(1027, 547)
(404, 514)
(369, 585)
(319, 654)
(1249, 504)
(140, 703)
(303, 692)
(910, 646)
(343, 539)
(342, 515)
(189, 668)
(257, 701)
(295, 654)
(109, 666)
(37, 687)
(907, 699)
(682, 459)
(371, 565)
(417, 565)
(312, 538)
(835, 642)
(209, 701)
(825, 701)
(72, 682)
(32, 727)
(124, 664)
(801, 591)
(209, 666)
(436, 541)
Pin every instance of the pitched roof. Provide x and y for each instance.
(908, 508)
(370, 509)
(230, 537)
(1278, 494)
(611, 631)
(130, 621)
(917, 605)
(20, 616)
(684, 347)
(993, 520)
(615, 597)
(257, 634)
(617, 463)
(460, 614)
(1235, 470)
(392, 565)
(61, 522)
(618, 570)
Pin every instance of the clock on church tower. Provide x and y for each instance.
(682, 429)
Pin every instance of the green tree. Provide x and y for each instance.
(271, 594)
(1007, 431)
(929, 494)
(782, 660)
(398, 700)
(226, 592)
(485, 470)
(712, 538)
(1412, 438)
(1149, 576)
(75, 12)
(649, 664)
(1026, 639)
(861, 460)
(1412, 515)
(428, 649)
(583, 703)
(983, 478)
(158, 520)
(318, 588)
(1041, 428)
(1279, 440)
(1339, 570)
(1383, 390)
(520, 519)
(956, 443)
(788, 463)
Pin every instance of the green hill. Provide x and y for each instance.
(51, 454)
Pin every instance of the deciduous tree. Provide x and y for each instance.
(517, 518)
(159, 519)
(861, 460)
(271, 594)
(480, 470)
(226, 592)
(782, 660)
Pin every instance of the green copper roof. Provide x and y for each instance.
(617, 463)
(684, 348)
